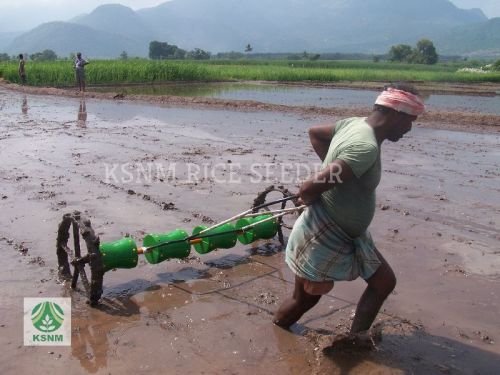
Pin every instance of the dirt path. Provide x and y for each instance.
(437, 224)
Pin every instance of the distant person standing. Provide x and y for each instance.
(21, 70)
(80, 71)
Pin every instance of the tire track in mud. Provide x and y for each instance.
(159, 153)
(163, 205)
(63, 131)
(457, 224)
(22, 249)
(429, 177)
(144, 197)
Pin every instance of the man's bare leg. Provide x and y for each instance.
(292, 309)
(380, 285)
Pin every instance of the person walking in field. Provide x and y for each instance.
(80, 71)
(329, 241)
(22, 70)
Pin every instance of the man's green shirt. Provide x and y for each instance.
(351, 204)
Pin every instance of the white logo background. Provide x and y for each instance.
(34, 337)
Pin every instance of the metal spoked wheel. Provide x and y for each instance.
(81, 227)
(263, 198)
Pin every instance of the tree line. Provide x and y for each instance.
(45, 55)
(163, 50)
(423, 53)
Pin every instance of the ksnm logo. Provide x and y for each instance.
(47, 321)
(47, 317)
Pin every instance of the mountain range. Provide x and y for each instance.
(319, 26)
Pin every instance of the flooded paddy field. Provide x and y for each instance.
(299, 95)
(437, 224)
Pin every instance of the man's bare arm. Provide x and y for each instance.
(337, 172)
(321, 136)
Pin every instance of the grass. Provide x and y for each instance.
(61, 73)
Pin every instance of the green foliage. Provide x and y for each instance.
(4, 57)
(232, 55)
(45, 55)
(179, 54)
(198, 54)
(424, 53)
(163, 50)
(124, 55)
(474, 64)
(60, 73)
(496, 66)
(400, 53)
(306, 56)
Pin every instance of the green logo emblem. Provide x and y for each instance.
(47, 317)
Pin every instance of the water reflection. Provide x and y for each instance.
(92, 331)
(82, 114)
(186, 89)
(24, 105)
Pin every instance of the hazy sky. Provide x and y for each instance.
(490, 7)
(16, 15)
(20, 15)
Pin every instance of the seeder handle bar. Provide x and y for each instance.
(247, 212)
(285, 210)
(194, 239)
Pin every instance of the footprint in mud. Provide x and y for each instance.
(37, 260)
(355, 342)
(18, 246)
(332, 345)
(267, 298)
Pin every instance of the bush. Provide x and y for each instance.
(46, 55)
(424, 53)
(496, 65)
(163, 50)
(400, 53)
(198, 54)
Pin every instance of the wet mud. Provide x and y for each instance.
(437, 224)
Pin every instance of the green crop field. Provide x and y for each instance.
(61, 73)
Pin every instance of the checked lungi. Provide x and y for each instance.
(319, 250)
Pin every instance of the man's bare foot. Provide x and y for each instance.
(281, 324)
(360, 341)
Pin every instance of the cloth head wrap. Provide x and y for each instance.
(401, 101)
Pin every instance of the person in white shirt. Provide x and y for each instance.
(80, 71)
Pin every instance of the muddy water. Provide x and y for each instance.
(307, 96)
(437, 224)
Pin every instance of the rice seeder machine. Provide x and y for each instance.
(259, 222)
